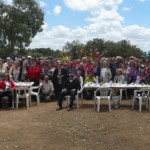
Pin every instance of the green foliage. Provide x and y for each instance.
(74, 49)
(20, 22)
(122, 48)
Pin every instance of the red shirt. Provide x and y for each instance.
(3, 85)
(34, 73)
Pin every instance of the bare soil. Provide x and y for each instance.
(44, 128)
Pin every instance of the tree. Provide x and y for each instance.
(20, 22)
(74, 48)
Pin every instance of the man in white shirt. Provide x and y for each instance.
(47, 89)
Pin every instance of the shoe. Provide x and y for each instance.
(60, 108)
(69, 109)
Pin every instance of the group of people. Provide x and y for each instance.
(64, 76)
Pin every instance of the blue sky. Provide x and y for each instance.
(83, 20)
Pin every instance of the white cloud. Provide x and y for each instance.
(42, 4)
(94, 6)
(57, 10)
(142, 0)
(105, 22)
(127, 8)
(8, 2)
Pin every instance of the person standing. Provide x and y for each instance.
(34, 73)
(59, 76)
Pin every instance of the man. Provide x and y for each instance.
(71, 86)
(47, 89)
(59, 78)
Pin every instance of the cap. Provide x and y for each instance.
(29, 56)
(8, 58)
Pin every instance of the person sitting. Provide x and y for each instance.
(47, 89)
(88, 92)
(7, 87)
(115, 92)
(71, 86)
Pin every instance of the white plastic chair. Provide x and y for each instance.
(22, 93)
(103, 95)
(143, 96)
(37, 94)
(121, 92)
(67, 98)
(78, 98)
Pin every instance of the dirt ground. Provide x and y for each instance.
(44, 128)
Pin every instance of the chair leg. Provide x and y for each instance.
(140, 104)
(38, 100)
(16, 103)
(27, 103)
(109, 104)
(98, 104)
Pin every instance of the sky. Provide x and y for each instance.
(83, 20)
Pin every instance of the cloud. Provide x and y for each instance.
(94, 7)
(42, 4)
(141, 0)
(127, 8)
(9, 2)
(104, 22)
(57, 10)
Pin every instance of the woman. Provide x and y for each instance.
(23, 71)
(134, 72)
(15, 71)
(119, 77)
(126, 70)
(115, 92)
(105, 72)
(88, 92)
(34, 73)
(7, 88)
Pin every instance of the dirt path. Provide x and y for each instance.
(44, 128)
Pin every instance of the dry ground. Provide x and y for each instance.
(44, 128)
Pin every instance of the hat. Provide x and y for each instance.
(29, 56)
(132, 57)
(8, 58)
(72, 72)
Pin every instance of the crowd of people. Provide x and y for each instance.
(61, 76)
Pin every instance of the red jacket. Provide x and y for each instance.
(3, 85)
(34, 73)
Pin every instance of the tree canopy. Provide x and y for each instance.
(19, 23)
(121, 48)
